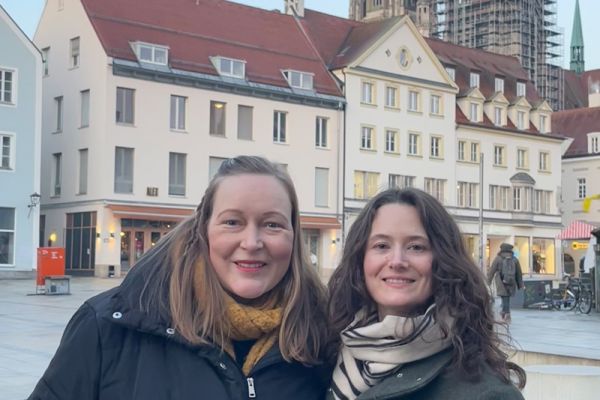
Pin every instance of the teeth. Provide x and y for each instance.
(250, 265)
(390, 280)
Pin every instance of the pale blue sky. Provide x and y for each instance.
(27, 13)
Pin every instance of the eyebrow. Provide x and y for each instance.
(265, 215)
(388, 237)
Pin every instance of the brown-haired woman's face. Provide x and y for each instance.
(250, 234)
(398, 260)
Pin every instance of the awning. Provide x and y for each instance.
(307, 222)
(576, 230)
(150, 213)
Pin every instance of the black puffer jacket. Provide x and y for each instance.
(111, 350)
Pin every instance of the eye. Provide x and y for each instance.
(273, 225)
(380, 246)
(417, 247)
(231, 222)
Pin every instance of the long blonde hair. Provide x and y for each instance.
(197, 313)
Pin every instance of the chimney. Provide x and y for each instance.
(294, 7)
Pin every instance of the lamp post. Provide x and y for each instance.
(34, 200)
(596, 232)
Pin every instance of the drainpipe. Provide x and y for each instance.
(596, 232)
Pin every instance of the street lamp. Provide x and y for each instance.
(34, 200)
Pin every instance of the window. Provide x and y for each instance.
(300, 80)
(413, 100)
(401, 181)
(474, 113)
(123, 170)
(434, 104)
(56, 174)
(499, 156)
(245, 122)
(368, 93)
(521, 89)
(365, 184)
(522, 159)
(177, 167)
(462, 145)
(436, 188)
(499, 85)
(451, 72)
(279, 127)
(499, 197)
(6, 154)
(474, 152)
(542, 200)
(151, 53)
(581, 188)
(322, 187)
(217, 118)
(214, 163)
(391, 97)
(74, 52)
(83, 171)
(367, 138)
(474, 80)
(7, 85)
(321, 132)
(45, 59)
(178, 112)
(436, 148)
(84, 119)
(542, 126)
(521, 198)
(595, 144)
(58, 102)
(7, 236)
(467, 194)
(498, 116)
(520, 119)
(414, 144)
(125, 105)
(230, 67)
(544, 164)
(391, 141)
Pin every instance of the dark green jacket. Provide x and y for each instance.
(429, 379)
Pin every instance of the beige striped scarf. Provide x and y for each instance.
(378, 349)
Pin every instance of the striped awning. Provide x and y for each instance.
(576, 230)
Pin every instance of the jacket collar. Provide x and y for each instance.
(411, 378)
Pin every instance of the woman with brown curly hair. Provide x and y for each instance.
(227, 306)
(412, 311)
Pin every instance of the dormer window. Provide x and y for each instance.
(520, 89)
(230, 67)
(474, 80)
(594, 143)
(499, 85)
(151, 53)
(299, 80)
(452, 72)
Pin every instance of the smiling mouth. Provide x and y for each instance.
(248, 266)
(398, 281)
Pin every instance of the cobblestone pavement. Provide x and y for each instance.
(31, 327)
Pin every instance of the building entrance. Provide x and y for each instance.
(139, 236)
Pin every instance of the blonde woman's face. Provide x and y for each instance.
(250, 234)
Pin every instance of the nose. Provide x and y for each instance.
(397, 258)
(251, 239)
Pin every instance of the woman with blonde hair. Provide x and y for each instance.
(226, 306)
(412, 312)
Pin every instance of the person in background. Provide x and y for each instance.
(226, 306)
(507, 276)
(411, 310)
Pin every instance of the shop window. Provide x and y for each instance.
(542, 256)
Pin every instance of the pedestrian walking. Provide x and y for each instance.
(506, 274)
(225, 307)
(411, 310)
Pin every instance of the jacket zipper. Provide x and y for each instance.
(251, 391)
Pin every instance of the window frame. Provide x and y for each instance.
(178, 113)
(474, 79)
(367, 138)
(474, 111)
(392, 141)
(367, 96)
(280, 127)
(522, 162)
(56, 179)
(436, 146)
(435, 107)
(306, 79)
(177, 185)
(321, 187)
(82, 181)
(499, 152)
(139, 46)
(414, 100)
(498, 116)
(581, 188)
(10, 164)
(59, 103)
(499, 84)
(544, 161)
(246, 133)
(521, 89)
(395, 97)
(121, 175)
(84, 117)
(321, 133)
(10, 233)
(13, 86)
(217, 123)
(126, 94)
(414, 145)
(75, 52)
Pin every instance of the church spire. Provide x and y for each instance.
(577, 60)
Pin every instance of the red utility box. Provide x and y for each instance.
(50, 261)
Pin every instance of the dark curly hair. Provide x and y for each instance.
(458, 287)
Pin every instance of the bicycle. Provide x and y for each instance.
(574, 295)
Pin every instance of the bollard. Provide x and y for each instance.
(561, 382)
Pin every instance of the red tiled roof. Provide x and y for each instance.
(195, 30)
(576, 124)
(488, 65)
(577, 87)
